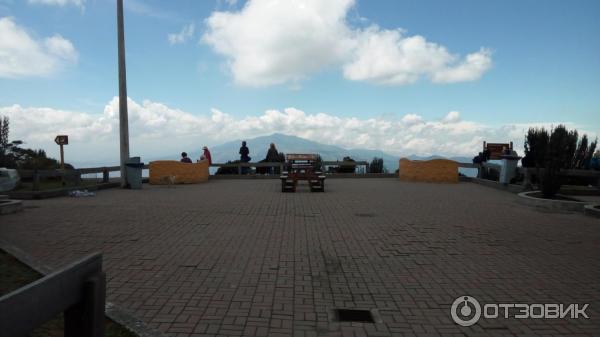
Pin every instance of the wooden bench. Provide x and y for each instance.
(302, 167)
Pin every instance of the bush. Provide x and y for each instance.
(376, 165)
(555, 151)
(536, 145)
(351, 168)
(13, 156)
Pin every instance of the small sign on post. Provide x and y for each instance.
(62, 140)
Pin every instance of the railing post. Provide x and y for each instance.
(104, 175)
(239, 169)
(36, 180)
(86, 319)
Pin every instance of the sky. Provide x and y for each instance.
(407, 77)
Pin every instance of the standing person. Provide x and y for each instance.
(272, 157)
(272, 154)
(185, 158)
(206, 155)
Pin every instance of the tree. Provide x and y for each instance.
(561, 150)
(587, 161)
(4, 144)
(13, 156)
(376, 165)
(349, 168)
(555, 151)
(536, 145)
(580, 153)
(3, 133)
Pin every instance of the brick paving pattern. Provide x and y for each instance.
(240, 258)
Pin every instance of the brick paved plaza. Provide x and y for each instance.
(240, 258)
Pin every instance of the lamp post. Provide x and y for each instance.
(123, 118)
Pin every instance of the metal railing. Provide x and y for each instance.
(282, 165)
(73, 176)
(78, 290)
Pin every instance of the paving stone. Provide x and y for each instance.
(240, 258)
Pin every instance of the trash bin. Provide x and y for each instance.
(134, 172)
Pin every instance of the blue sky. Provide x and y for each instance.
(535, 63)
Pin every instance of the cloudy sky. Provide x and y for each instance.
(407, 77)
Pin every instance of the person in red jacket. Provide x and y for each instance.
(206, 155)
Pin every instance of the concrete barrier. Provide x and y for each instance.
(432, 171)
(168, 172)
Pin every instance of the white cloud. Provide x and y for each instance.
(451, 117)
(41, 125)
(470, 69)
(186, 33)
(412, 119)
(155, 125)
(62, 48)
(271, 42)
(78, 3)
(388, 57)
(21, 55)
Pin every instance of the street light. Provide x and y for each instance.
(123, 119)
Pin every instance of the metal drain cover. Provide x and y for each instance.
(356, 315)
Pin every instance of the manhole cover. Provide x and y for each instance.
(354, 315)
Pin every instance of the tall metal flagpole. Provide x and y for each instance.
(123, 118)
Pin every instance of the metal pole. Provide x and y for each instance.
(123, 119)
(62, 157)
(62, 165)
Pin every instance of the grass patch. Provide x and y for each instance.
(14, 274)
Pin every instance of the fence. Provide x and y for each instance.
(78, 290)
(281, 165)
(72, 177)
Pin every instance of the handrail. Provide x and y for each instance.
(78, 290)
(277, 164)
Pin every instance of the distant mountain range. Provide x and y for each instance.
(291, 144)
(288, 144)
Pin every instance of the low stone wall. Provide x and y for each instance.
(432, 171)
(167, 172)
(592, 210)
(552, 204)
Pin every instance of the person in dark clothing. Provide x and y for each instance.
(272, 157)
(244, 153)
(272, 154)
(185, 158)
(244, 156)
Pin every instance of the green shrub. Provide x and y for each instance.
(376, 165)
(536, 145)
(555, 151)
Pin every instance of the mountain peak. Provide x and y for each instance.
(259, 146)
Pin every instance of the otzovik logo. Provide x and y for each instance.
(466, 311)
